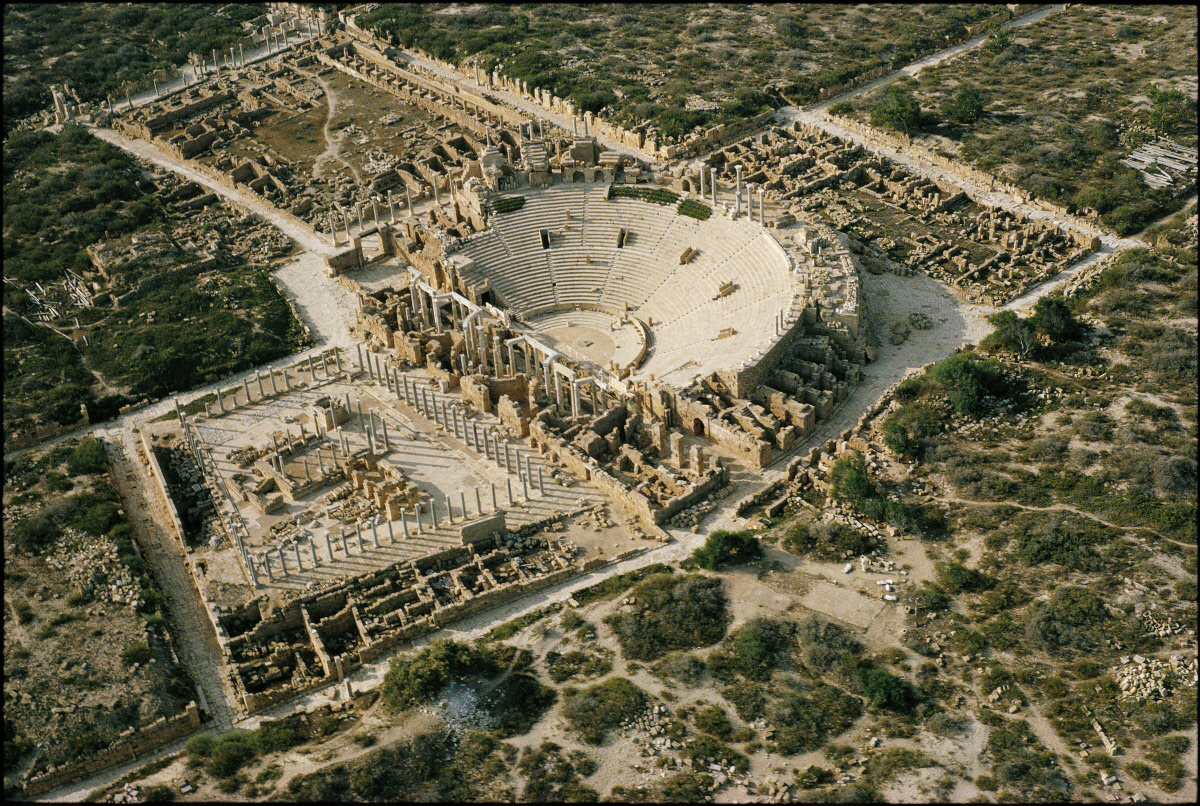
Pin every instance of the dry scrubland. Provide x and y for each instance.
(87, 653)
(1060, 101)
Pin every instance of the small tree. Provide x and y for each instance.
(1012, 333)
(899, 110)
(884, 690)
(849, 479)
(1170, 106)
(967, 106)
(87, 458)
(1052, 317)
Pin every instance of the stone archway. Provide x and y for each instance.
(598, 175)
(697, 427)
(686, 186)
(577, 176)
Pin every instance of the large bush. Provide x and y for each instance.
(87, 458)
(595, 710)
(1072, 618)
(806, 722)
(674, 613)
(419, 678)
(753, 651)
(723, 547)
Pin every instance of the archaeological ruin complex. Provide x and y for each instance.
(570, 337)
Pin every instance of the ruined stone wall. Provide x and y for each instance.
(160, 479)
(42, 433)
(134, 742)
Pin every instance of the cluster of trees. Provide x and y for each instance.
(1051, 327)
(851, 484)
(418, 678)
(966, 382)
(225, 756)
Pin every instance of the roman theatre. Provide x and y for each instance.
(639, 333)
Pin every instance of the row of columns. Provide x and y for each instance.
(263, 561)
(712, 187)
(287, 382)
(452, 417)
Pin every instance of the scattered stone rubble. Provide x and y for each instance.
(1147, 678)
(91, 564)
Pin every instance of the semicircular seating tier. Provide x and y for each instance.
(695, 330)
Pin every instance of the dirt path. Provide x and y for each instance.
(933, 59)
(1066, 508)
(333, 149)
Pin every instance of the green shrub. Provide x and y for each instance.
(709, 747)
(829, 541)
(753, 651)
(723, 547)
(610, 587)
(517, 704)
(694, 209)
(682, 666)
(576, 664)
(898, 111)
(805, 722)
(1139, 771)
(814, 777)
(201, 746)
(88, 458)
(649, 194)
(231, 752)
(158, 793)
(136, 652)
(956, 578)
(849, 481)
(714, 720)
(595, 710)
(884, 690)
(507, 204)
(747, 698)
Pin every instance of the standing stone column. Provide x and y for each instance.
(738, 196)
